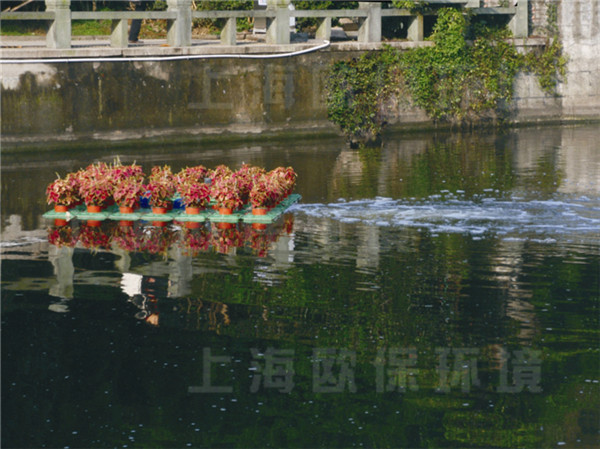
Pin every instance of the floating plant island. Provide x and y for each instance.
(195, 194)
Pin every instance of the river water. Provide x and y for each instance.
(442, 291)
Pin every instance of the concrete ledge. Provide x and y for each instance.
(204, 135)
(89, 47)
(17, 48)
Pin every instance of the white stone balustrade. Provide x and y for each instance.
(179, 16)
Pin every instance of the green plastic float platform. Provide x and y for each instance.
(112, 213)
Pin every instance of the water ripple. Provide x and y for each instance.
(537, 219)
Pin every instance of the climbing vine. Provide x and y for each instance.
(414, 6)
(357, 93)
(550, 65)
(466, 77)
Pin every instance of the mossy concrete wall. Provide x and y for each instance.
(119, 100)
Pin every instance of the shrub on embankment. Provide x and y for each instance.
(466, 78)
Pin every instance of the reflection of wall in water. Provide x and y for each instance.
(507, 264)
(61, 259)
(367, 247)
(580, 160)
(532, 146)
(570, 152)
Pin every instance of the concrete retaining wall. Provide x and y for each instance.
(119, 100)
(579, 22)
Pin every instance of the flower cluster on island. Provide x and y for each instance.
(101, 184)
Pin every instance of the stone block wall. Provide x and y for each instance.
(579, 23)
(538, 16)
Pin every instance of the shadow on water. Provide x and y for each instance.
(441, 291)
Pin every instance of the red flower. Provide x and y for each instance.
(64, 192)
(194, 194)
(226, 192)
(128, 191)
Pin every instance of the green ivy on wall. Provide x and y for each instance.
(467, 77)
(357, 92)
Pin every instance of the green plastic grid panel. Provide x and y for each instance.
(233, 218)
(202, 216)
(85, 215)
(54, 215)
(51, 214)
(146, 214)
(134, 216)
(149, 216)
(274, 213)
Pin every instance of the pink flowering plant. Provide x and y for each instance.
(64, 191)
(95, 184)
(226, 193)
(286, 177)
(160, 192)
(97, 171)
(197, 174)
(194, 194)
(221, 171)
(161, 186)
(95, 191)
(266, 192)
(246, 176)
(120, 172)
(128, 191)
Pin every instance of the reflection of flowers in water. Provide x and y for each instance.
(260, 240)
(158, 240)
(195, 240)
(94, 237)
(288, 224)
(126, 237)
(225, 239)
(62, 236)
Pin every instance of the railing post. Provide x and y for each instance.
(324, 29)
(415, 29)
(179, 30)
(59, 31)
(278, 28)
(118, 33)
(228, 35)
(370, 28)
(519, 23)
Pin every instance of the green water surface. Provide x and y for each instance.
(441, 291)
